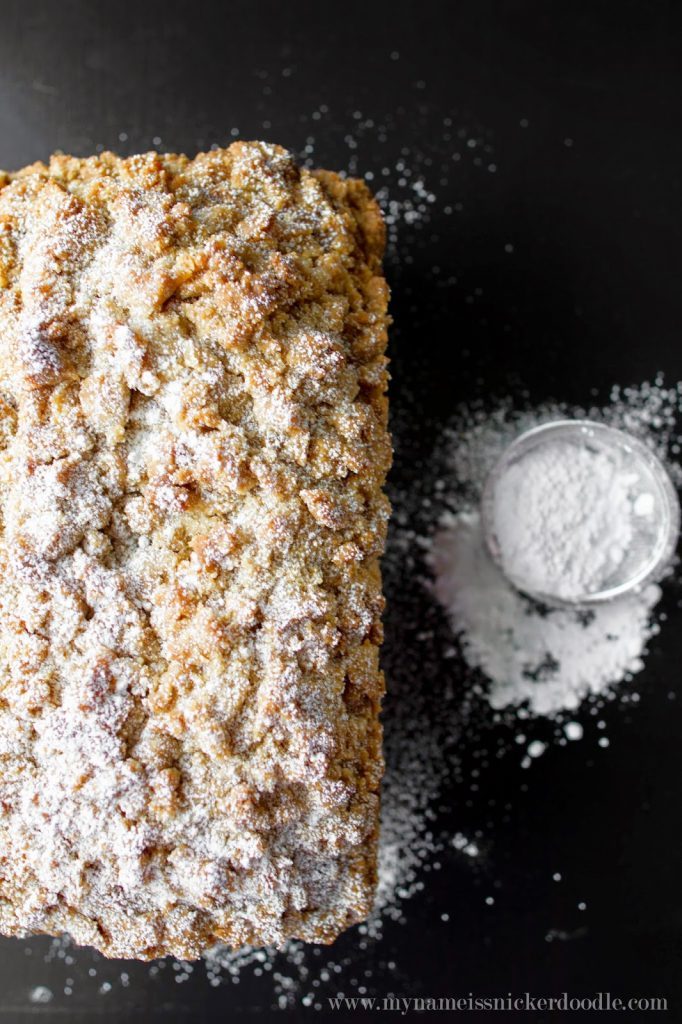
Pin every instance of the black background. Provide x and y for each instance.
(577, 107)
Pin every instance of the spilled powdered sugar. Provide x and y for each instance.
(548, 659)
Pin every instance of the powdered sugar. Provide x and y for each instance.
(40, 994)
(547, 659)
(577, 511)
(550, 658)
(563, 516)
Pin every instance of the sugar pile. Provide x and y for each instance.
(548, 659)
(570, 515)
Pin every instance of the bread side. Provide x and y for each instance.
(193, 445)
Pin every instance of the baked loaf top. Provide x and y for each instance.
(192, 449)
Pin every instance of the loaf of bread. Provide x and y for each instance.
(193, 445)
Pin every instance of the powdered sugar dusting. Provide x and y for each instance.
(190, 598)
(549, 660)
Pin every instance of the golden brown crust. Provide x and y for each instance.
(192, 449)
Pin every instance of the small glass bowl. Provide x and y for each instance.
(652, 552)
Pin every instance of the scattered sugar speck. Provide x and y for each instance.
(40, 994)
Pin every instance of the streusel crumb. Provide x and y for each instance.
(193, 445)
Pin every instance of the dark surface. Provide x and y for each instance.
(589, 195)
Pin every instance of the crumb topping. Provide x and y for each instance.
(192, 449)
